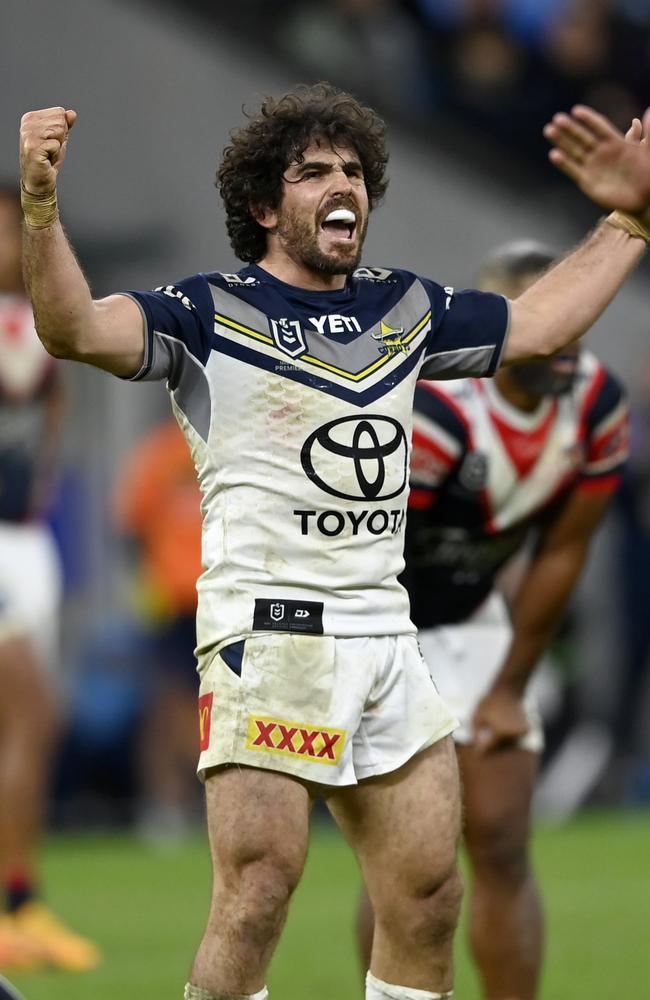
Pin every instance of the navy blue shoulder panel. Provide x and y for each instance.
(183, 312)
(610, 394)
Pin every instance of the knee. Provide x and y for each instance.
(500, 850)
(428, 917)
(252, 897)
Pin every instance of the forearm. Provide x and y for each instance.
(562, 305)
(61, 299)
(538, 612)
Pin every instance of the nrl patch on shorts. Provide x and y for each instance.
(295, 739)
(288, 616)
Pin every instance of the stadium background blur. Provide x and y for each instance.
(466, 86)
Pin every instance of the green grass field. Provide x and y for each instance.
(146, 908)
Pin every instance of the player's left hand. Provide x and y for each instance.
(499, 720)
(608, 166)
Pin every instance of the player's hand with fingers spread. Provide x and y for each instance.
(612, 169)
(499, 720)
(43, 145)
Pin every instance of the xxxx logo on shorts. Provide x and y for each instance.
(205, 719)
(295, 739)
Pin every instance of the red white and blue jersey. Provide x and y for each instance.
(27, 376)
(297, 407)
(482, 472)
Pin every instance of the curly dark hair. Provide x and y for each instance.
(251, 170)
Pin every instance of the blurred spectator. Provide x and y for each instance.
(369, 45)
(31, 406)
(157, 509)
(504, 65)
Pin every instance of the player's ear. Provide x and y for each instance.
(266, 217)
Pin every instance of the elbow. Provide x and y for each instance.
(61, 347)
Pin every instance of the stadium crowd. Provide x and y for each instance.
(502, 66)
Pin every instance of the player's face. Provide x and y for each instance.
(322, 218)
(10, 246)
(549, 378)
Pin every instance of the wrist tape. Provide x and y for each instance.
(39, 210)
(630, 223)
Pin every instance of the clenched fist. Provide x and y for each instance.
(43, 143)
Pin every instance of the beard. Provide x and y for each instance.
(300, 242)
(539, 378)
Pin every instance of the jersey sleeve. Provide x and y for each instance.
(439, 443)
(179, 320)
(468, 333)
(606, 432)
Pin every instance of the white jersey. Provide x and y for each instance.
(297, 409)
(482, 472)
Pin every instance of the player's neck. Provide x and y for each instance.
(295, 273)
(515, 393)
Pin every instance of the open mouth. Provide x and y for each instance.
(341, 224)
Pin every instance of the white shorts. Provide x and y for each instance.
(328, 710)
(30, 587)
(464, 659)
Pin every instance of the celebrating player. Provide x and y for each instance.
(293, 380)
(541, 445)
(31, 398)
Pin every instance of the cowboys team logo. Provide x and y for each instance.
(358, 458)
(391, 339)
(288, 336)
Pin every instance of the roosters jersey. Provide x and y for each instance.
(482, 471)
(297, 407)
(27, 374)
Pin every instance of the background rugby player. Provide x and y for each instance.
(31, 407)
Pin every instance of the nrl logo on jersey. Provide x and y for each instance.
(288, 336)
(391, 339)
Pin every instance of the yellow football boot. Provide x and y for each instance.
(17, 952)
(59, 945)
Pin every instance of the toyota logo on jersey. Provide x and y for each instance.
(358, 458)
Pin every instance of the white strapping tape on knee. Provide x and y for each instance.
(377, 990)
(198, 993)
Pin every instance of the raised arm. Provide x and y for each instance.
(567, 301)
(108, 333)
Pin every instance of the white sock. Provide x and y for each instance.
(376, 990)
(198, 993)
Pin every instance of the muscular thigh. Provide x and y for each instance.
(256, 818)
(497, 793)
(404, 826)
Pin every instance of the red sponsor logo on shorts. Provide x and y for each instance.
(295, 739)
(205, 720)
